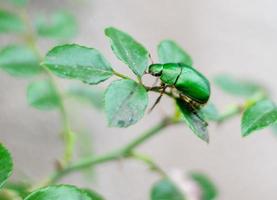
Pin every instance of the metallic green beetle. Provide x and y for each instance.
(193, 87)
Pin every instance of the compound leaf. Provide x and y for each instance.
(19, 60)
(258, 116)
(43, 95)
(170, 52)
(194, 121)
(59, 25)
(10, 22)
(128, 50)
(59, 192)
(78, 62)
(125, 102)
(166, 190)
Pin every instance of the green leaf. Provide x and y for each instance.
(258, 116)
(170, 52)
(194, 120)
(77, 62)
(43, 95)
(10, 22)
(6, 194)
(93, 195)
(6, 165)
(210, 112)
(19, 60)
(274, 128)
(88, 95)
(20, 188)
(128, 50)
(59, 25)
(125, 102)
(19, 2)
(59, 192)
(237, 87)
(208, 188)
(166, 190)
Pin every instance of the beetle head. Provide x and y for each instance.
(155, 69)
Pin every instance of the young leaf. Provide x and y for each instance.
(125, 103)
(87, 94)
(208, 189)
(128, 50)
(194, 121)
(59, 25)
(166, 190)
(59, 192)
(258, 116)
(43, 95)
(237, 87)
(6, 165)
(10, 22)
(19, 60)
(77, 62)
(170, 52)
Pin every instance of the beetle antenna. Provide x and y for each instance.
(158, 99)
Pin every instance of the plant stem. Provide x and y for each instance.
(68, 136)
(124, 152)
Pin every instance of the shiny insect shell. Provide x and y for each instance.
(193, 87)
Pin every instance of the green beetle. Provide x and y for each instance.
(193, 87)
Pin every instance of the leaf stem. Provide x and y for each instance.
(68, 136)
(124, 152)
(120, 75)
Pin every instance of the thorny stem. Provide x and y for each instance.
(68, 136)
(124, 152)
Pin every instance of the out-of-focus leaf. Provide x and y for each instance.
(10, 22)
(170, 52)
(210, 112)
(194, 120)
(59, 25)
(258, 116)
(59, 192)
(208, 188)
(87, 94)
(93, 195)
(77, 62)
(6, 194)
(19, 60)
(237, 87)
(128, 50)
(22, 189)
(274, 129)
(43, 95)
(166, 190)
(6, 165)
(125, 103)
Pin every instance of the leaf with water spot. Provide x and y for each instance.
(170, 52)
(258, 116)
(125, 102)
(78, 62)
(194, 120)
(128, 50)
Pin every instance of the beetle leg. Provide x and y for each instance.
(159, 98)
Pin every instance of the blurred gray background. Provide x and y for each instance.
(236, 37)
